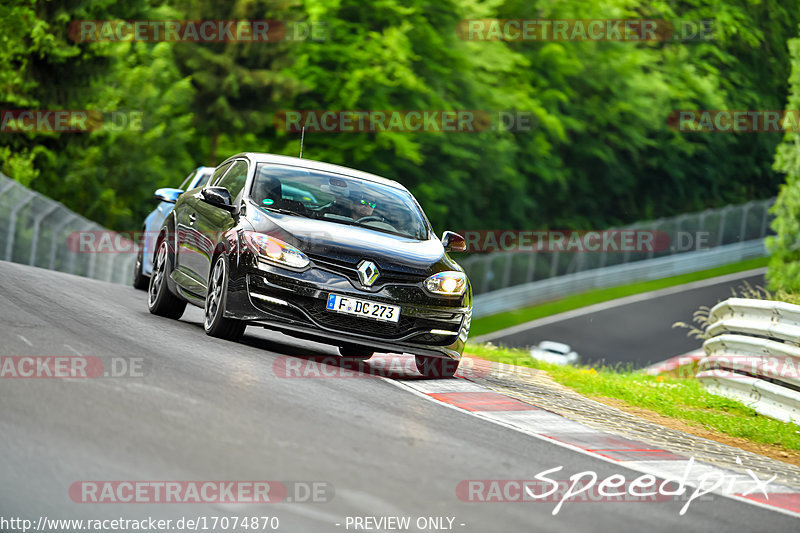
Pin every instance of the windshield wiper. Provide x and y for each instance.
(285, 212)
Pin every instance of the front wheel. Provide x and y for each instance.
(159, 300)
(215, 323)
(436, 367)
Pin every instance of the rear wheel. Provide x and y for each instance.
(159, 300)
(140, 281)
(215, 323)
(353, 351)
(436, 367)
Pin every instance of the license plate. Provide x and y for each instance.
(363, 308)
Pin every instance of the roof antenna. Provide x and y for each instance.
(302, 137)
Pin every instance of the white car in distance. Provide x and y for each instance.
(556, 353)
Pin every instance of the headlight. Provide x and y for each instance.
(449, 283)
(275, 250)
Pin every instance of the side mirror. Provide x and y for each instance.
(218, 197)
(168, 195)
(453, 242)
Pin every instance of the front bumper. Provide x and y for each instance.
(295, 303)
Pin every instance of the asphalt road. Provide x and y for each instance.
(636, 330)
(207, 409)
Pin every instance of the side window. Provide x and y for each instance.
(202, 179)
(187, 181)
(219, 172)
(234, 179)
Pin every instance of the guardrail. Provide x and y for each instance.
(732, 224)
(549, 289)
(35, 230)
(753, 355)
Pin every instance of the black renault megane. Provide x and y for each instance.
(317, 251)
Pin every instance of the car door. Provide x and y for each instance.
(211, 222)
(187, 235)
(152, 226)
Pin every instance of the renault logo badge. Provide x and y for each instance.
(367, 273)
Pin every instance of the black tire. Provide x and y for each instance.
(140, 281)
(436, 367)
(160, 301)
(214, 321)
(353, 351)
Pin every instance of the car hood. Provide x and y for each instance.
(346, 244)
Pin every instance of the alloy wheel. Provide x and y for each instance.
(158, 274)
(214, 296)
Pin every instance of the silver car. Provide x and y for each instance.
(556, 353)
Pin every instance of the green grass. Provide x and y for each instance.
(488, 324)
(680, 398)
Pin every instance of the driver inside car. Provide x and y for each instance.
(363, 208)
(345, 206)
(267, 190)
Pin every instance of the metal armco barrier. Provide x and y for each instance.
(36, 230)
(732, 224)
(753, 355)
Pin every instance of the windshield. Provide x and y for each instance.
(338, 198)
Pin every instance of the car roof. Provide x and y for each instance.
(310, 164)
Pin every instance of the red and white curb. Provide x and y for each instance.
(482, 402)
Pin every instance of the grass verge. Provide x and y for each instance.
(681, 399)
(488, 324)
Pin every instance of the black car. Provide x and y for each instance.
(317, 251)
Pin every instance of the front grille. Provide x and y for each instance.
(348, 270)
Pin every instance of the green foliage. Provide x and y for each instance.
(681, 398)
(784, 267)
